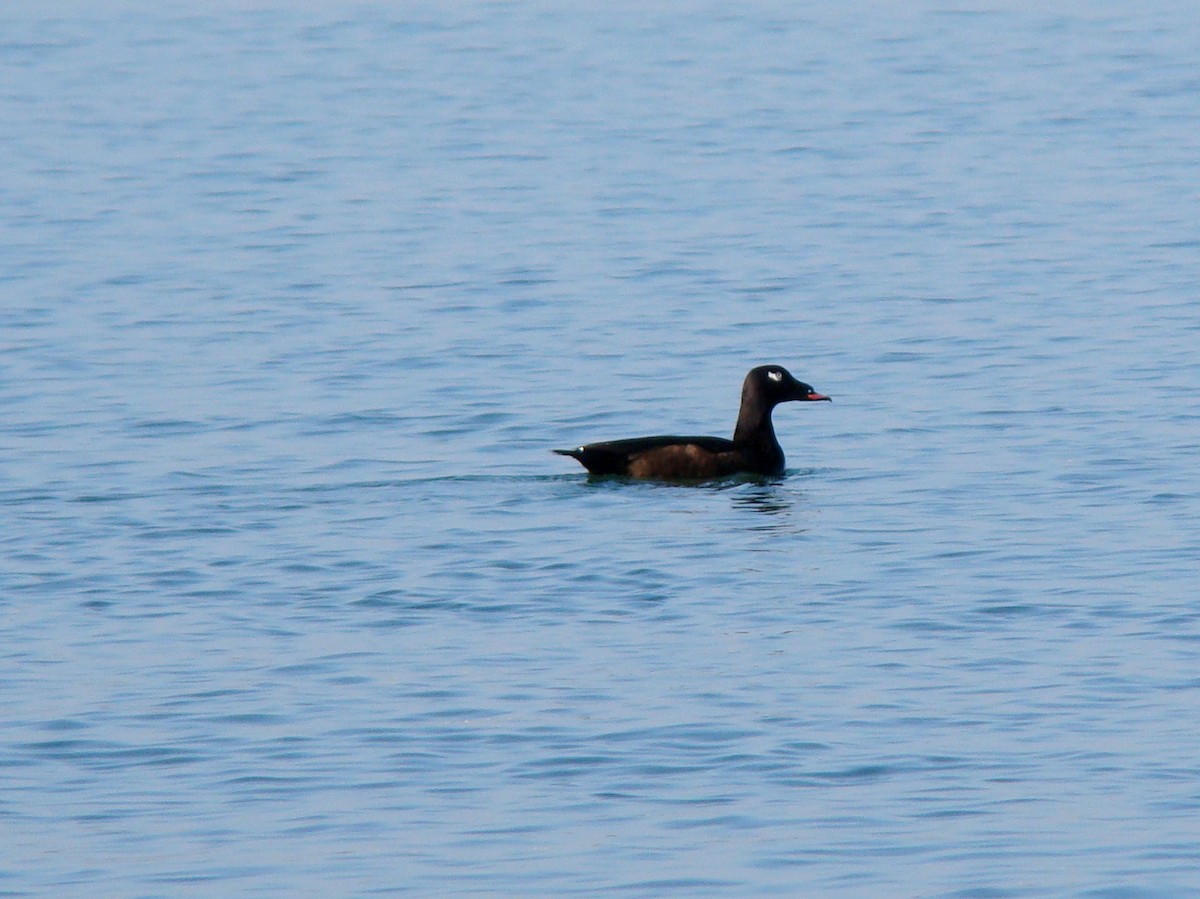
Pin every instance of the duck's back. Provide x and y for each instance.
(665, 456)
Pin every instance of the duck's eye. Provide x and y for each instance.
(775, 375)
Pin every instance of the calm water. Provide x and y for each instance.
(295, 601)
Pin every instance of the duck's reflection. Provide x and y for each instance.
(772, 501)
(765, 499)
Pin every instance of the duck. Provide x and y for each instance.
(754, 448)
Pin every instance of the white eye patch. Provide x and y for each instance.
(775, 375)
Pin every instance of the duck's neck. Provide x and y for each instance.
(755, 434)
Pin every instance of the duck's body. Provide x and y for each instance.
(754, 448)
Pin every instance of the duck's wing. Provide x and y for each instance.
(616, 456)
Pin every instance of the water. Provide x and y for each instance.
(295, 301)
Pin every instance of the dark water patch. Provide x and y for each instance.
(685, 885)
(1018, 610)
(163, 428)
(107, 756)
(115, 497)
(65, 724)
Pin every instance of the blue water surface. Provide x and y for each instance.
(296, 299)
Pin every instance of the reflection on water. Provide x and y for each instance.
(765, 499)
(773, 502)
(773, 497)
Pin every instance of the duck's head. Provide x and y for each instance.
(774, 384)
